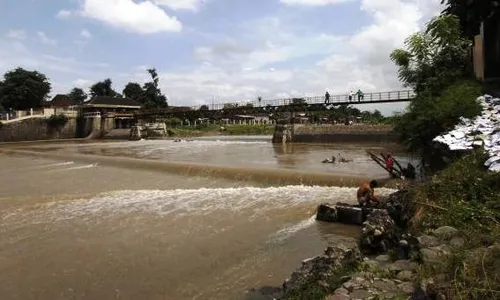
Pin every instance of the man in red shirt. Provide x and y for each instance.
(389, 162)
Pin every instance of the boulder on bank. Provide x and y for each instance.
(322, 274)
(400, 207)
(326, 213)
(379, 233)
(343, 213)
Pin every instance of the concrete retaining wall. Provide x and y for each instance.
(35, 129)
(343, 133)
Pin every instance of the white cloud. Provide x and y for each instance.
(64, 14)
(139, 17)
(313, 2)
(16, 34)
(192, 5)
(82, 83)
(266, 58)
(85, 34)
(45, 39)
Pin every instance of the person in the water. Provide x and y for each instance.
(366, 193)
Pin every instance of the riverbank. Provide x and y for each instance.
(439, 239)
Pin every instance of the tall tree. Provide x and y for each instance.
(152, 93)
(134, 90)
(77, 95)
(434, 58)
(23, 89)
(103, 88)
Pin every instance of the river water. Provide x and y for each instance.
(76, 227)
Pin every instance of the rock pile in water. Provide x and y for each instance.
(484, 131)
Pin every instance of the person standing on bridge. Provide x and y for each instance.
(351, 95)
(327, 97)
(360, 94)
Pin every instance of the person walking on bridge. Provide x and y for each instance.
(360, 94)
(327, 97)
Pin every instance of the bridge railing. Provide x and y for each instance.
(342, 98)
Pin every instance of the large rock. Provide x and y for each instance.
(379, 233)
(349, 214)
(445, 232)
(327, 213)
(322, 272)
(400, 207)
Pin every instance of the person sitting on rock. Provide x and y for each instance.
(366, 193)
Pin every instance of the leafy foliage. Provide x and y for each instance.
(435, 58)
(152, 94)
(57, 121)
(428, 117)
(134, 91)
(103, 88)
(23, 89)
(77, 95)
(204, 107)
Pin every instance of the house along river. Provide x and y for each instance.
(132, 220)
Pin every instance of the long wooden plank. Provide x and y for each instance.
(381, 163)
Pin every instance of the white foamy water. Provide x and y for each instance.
(290, 230)
(251, 201)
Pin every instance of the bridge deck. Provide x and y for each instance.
(308, 103)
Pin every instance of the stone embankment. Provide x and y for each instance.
(384, 262)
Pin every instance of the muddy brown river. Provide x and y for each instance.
(79, 228)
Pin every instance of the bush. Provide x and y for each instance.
(57, 121)
(173, 122)
(464, 195)
(428, 117)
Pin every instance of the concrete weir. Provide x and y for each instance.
(332, 133)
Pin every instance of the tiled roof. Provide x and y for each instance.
(61, 100)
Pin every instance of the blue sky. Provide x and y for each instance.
(234, 50)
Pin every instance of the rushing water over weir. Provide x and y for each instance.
(114, 221)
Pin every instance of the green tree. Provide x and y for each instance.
(435, 58)
(154, 98)
(204, 107)
(134, 91)
(77, 95)
(23, 89)
(103, 88)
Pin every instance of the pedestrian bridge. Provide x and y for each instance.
(315, 103)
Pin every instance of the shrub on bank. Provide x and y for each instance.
(57, 121)
(429, 116)
(466, 196)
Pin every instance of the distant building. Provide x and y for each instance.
(120, 109)
(61, 104)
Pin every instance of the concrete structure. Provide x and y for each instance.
(486, 50)
(222, 111)
(119, 110)
(328, 133)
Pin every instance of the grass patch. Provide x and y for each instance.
(466, 196)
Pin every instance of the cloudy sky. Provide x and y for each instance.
(232, 50)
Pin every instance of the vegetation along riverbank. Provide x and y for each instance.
(438, 238)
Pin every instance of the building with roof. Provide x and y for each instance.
(61, 104)
(121, 110)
